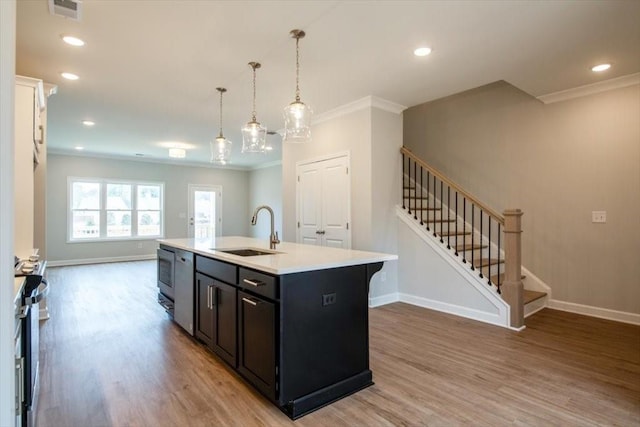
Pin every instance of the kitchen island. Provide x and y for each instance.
(292, 321)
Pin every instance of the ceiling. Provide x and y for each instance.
(149, 69)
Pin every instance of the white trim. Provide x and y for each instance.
(502, 318)
(590, 89)
(74, 153)
(458, 310)
(67, 262)
(602, 313)
(7, 123)
(384, 299)
(267, 165)
(360, 104)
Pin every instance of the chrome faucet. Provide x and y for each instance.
(273, 238)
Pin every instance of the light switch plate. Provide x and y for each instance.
(599, 216)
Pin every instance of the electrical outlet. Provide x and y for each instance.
(328, 299)
(599, 216)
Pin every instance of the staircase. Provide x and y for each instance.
(480, 240)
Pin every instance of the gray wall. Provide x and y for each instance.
(235, 202)
(265, 188)
(556, 162)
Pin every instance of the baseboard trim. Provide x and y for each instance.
(384, 300)
(68, 262)
(481, 316)
(602, 313)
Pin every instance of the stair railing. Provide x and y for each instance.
(432, 191)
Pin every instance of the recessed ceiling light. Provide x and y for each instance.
(178, 153)
(79, 148)
(88, 123)
(73, 41)
(268, 148)
(600, 67)
(69, 76)
(422, 51)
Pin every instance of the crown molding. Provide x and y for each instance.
(144, 160)
(360, 104)
(267, 165)
(590, 89)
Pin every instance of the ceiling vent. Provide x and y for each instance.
(71, 9)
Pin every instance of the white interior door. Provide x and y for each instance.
(204, 211)
(324, 202)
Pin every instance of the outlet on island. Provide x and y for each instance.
(328, 299)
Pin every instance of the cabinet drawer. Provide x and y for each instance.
(218, 269)
(259, 283)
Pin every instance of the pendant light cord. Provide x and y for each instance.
(254, 93)
(297, 70)
(221, 136)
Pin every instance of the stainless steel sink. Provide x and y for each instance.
(246, 251)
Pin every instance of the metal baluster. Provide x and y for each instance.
(481, 237)
(464, 227)
(489, 274)
(415, 190)
(499, 235)
(409, 185)
(441, 215)
(421, 191)
(428, 198)
(455, 241)
(473, 234)
(402, 183)
(434, 206)
(448, 217)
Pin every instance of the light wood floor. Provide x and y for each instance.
(111, 357)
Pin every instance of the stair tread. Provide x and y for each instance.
(483, 262)
(455, 233)
(416, 198)
(422, 209)
(468, 247)
(440, 220)
(530, 296)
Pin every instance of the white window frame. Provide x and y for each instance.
(103, 209)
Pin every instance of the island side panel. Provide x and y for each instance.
(324, 334)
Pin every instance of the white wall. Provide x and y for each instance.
(373, 137)
(235, 191)
(265, 188)
(7, 85)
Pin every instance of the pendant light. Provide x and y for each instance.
(253, 134)
(221, 146)
(297, 115)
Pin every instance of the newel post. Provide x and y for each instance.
(512, 288)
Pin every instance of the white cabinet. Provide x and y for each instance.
(323, 208)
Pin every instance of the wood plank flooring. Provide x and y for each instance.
(111, 357)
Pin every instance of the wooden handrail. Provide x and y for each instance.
(499, 218)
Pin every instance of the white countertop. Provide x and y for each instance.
(289, 257)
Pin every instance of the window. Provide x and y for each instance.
(114, 210)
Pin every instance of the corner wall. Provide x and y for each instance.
(558, 163)
(373, 137)
(265, 188)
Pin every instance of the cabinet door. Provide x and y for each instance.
(204, 315)
(224, 321)
(257, 342)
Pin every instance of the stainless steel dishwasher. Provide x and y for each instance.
(184, 289)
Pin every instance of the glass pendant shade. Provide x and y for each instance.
(220, 150)
(254, 138)
(254, 135)
(221, 146)
(297, 115)
(297, 122)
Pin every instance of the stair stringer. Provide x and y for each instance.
(457, 290)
